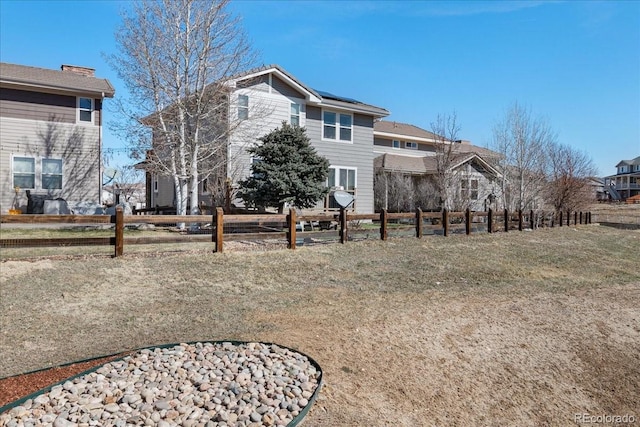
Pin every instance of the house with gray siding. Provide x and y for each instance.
(50, 134)
(401, 148)
(340, 129)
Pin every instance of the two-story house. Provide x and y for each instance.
(626, 182)
(50, 134)
(409, 150)
(340, 129)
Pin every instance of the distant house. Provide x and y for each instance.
(626, 182)
(340, 129)
(50, 134)
(406, 149)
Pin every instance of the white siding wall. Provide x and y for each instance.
(77, 145)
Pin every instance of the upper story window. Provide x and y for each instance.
(295, 114)
(24, 172)
(337, 126)
(85, 110)
(243, 107)
(396, 144)
(411, 145)
(52, 174)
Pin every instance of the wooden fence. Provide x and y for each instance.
(284, 227)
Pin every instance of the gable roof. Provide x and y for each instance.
(632, 162)
(43, 78)
(314, 97)
(426, 165)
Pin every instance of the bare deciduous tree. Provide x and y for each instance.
(446, 129)
(568, 172)
(174, 56)
(523, 142)
(393, 191)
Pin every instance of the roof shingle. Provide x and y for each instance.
(54, 79)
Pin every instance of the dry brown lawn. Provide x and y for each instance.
(525, 328)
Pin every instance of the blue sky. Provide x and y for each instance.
(577, 64)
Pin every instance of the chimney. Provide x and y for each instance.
(83, 71)
(463, 141)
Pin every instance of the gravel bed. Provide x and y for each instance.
(202, 384)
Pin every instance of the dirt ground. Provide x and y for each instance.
(525, 329)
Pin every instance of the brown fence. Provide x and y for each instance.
(292, 229)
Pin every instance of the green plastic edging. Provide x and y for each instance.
(293, 423)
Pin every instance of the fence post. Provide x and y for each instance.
(506, 220)
(490, 221)
(467, 221)
(419, 223)
(519, 219)
(580, 217)
(383, 224)
(575, 218)
(568, 218)
(445, 222)
(589, 217)
(343, 225)
(119, 249)
(560, 219)
(219, 229)
(531, 221)
(291, 222)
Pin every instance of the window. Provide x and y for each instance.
(295, 115)
(155, 185)
(469, 189)
(255, 161)
(24, 172)
(411, 145)
(243, 107)
(396, 144)
(344, 178)
(337, 126)
(85, 110)
(52, 174)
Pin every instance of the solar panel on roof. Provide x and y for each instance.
(336, 97)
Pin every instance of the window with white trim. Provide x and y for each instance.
(395, 143)
(469, 189)
(85, 110)
(337, 126)
(411, 145)
(341, 178)
(52, 174)
(243, 107)
(295, 114)
(24, 172)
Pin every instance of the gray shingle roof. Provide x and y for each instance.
(421, 165)
(54, 79)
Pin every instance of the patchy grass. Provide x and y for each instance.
(522, 328)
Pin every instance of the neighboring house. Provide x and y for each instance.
(626, 182)
(50, 134)
(409, 140)
(131, 193)
(409, 150)
(340, 129)
(597, 189)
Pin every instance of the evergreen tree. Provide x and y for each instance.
(288, 171)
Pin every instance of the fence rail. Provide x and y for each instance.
(342, 227)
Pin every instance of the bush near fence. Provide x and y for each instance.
(220, 228)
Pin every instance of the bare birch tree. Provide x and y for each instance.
(569, 170)
(446, 129)
(174, 56)
(523, 142)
